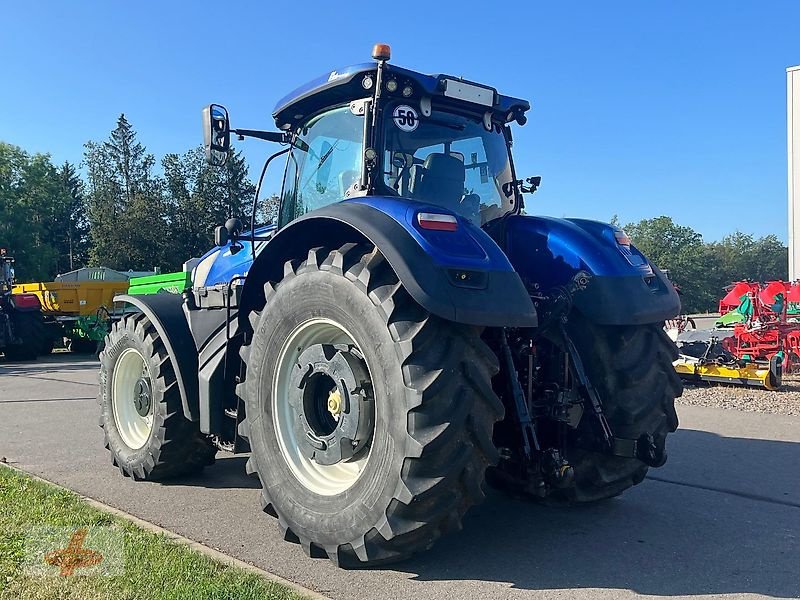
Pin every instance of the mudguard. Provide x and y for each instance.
(165, 312)
(625, 288)
(461, 275)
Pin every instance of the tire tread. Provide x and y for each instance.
(452, 408)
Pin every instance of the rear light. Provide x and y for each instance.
(634, 258)
(437, 221)
(25, 301)
(622, 237)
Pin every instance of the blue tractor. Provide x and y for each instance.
(402, 333)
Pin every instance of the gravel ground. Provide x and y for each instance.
(783, 402)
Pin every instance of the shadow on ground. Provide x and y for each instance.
(656, 539)
(226, 473)
(659, 538)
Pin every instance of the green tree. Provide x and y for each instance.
(71, 230)
(678, 249)
(126, 211)
(200, 197)
(741, 256)
(703, 270)
(33, 205)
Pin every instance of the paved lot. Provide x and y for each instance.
(721, 519)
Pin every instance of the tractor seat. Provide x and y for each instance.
(439, 180)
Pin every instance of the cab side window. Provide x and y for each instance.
(324, 162)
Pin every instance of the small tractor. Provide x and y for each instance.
(403, 333)
(22, 328)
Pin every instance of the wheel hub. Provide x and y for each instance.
(331, 397)
(142, 396)
(335, 402)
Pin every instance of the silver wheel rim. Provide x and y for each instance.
(133, 428)
(326, 480)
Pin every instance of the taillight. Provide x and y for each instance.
(437, 221)
(24, 301)
(622, 237)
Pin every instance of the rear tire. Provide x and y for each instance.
(140, 407)
(631, 369)
(433, 410)
(30, 329)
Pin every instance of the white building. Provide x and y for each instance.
(793, 147)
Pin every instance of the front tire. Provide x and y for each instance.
(140, 407)
(415, 462)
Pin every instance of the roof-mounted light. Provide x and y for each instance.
(437, 221)
(381, 52)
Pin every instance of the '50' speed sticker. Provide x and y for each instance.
(405, 118)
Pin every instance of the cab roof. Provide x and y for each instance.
(350, 83)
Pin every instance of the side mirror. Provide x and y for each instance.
(220, 236)
(216, 134)
(228, 232)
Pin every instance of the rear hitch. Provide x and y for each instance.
(557, 471)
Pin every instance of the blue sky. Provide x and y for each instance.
(639, 108)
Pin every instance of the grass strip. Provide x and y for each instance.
(155, 567)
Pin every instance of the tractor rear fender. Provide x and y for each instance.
(165, 312)
(625, 287)
(460, 275)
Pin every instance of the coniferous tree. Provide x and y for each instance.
(73, 230)
(125, 205)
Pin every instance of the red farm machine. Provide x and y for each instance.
(756, 340)
(766, 322)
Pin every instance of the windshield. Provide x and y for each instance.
(449, 160)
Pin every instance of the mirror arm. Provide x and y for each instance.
(255, 197)
(282, 137)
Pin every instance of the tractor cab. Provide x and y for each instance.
(374, 129)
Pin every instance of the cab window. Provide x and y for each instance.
(450, 160)
(324, 163)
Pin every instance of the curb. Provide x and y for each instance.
(179, 539)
